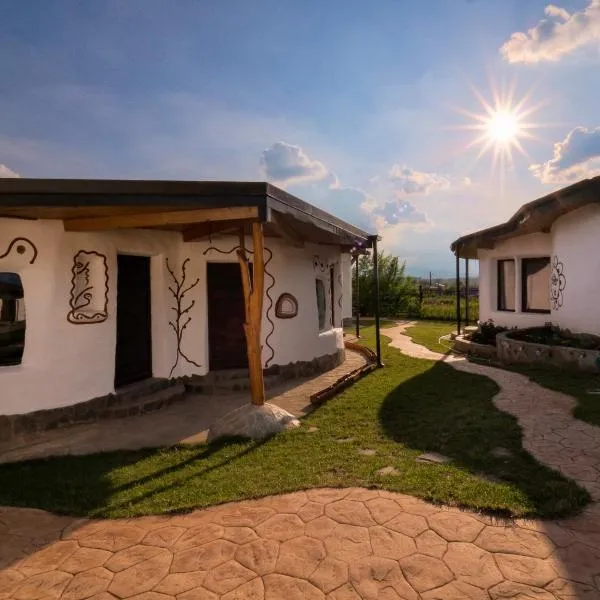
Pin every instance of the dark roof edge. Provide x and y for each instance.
(551, 203)
(316, 213)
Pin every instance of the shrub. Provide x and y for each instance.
(486, 334)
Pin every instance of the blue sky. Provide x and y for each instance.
(351, 105)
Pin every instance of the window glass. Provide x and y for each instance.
(506, 285)
(536, 284)
(321, 304)
(12, 319)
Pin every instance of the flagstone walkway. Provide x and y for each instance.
(550, 432)
(324, 543)
(346, 544)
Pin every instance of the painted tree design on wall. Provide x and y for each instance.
(182, 318)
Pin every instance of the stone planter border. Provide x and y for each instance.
(511, 351)
(464, 346)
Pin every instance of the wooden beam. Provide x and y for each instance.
(253, 286)
(286, 231)
(158, 219)
(203, 230)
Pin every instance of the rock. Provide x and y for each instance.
(388, 471)
(367, 452)
(433, 457)
(254, 422)
(501, 452)
(345, 440)
(312, 429)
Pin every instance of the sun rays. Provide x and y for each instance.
(502, 125)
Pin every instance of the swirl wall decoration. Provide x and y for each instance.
(88, 301)
(558, 282)
(267, 293)
(20, 246)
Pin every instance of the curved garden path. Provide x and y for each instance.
(550, 432)
(336, 544)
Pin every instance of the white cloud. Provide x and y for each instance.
(410, 181)
(285, 163)
(6, 172)
(576, 157)
(555, 36)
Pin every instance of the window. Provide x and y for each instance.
(321, 304)
(12, 319)
(535, 278)
(506, 285)
(332, 294)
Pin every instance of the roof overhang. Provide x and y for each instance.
(537, 216)
(195, 208)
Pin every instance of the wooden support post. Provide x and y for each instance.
(253, 286)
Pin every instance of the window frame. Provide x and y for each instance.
(499, 270)
(524, 309)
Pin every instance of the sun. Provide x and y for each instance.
(503, 126)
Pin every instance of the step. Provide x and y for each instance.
(139, 389)
(151, 401)
(209, 384)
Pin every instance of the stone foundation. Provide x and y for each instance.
(512, 351)
(309, 368)
(146, 396)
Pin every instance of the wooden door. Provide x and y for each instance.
(226, 340)
(133, 360)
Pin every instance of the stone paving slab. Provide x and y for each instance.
(324, 543)
(186, 422)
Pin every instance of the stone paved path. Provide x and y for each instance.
(186, 422)
(550, 432)
(325, 543)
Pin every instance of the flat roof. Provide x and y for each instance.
(534, 217)
(89, 198)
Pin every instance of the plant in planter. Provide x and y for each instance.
(486, 334)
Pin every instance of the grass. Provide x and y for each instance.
(444, 308)
(400, 411)
(576, 385)
(427, 333)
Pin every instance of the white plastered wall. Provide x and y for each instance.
(64, 363)
(576, 244)
(527, 246)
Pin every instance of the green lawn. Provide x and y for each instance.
(406, 408)
(577, 385)
(574, 384)
(427, 333)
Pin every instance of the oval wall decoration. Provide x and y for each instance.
(286, 306)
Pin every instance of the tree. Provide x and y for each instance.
(398, 293)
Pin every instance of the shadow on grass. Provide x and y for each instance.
(93, 479)
(449, 412)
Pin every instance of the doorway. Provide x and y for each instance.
(133, 356)
(226, 315)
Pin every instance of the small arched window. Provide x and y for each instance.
(12, 319)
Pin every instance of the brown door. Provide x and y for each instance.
(133, 360)
(226, 341)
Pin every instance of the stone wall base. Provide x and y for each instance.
(141, 398)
